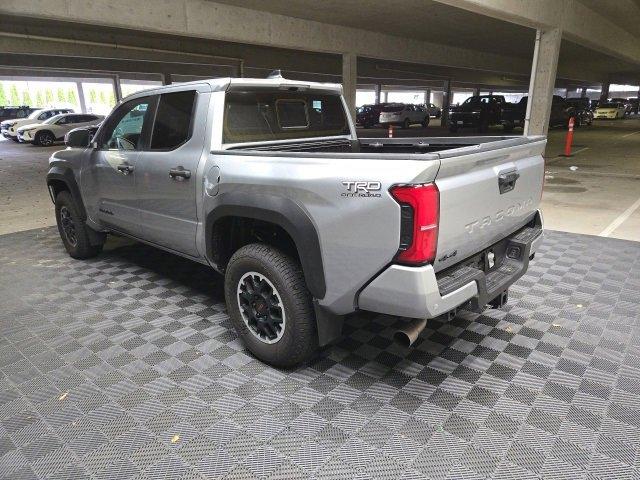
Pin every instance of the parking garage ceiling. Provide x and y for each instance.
(432, 21)
(420, 19)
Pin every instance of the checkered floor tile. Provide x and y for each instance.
(126, 366)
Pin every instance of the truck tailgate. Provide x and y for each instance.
(486, 193)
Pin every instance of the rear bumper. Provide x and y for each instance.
(418, 292)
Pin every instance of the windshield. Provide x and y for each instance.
(265, 115)
(53, 119)
(35, 114)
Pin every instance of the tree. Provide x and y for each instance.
(3, 95)
(93, 96)
(13, 93)
(61, 98)
(48, 96)
(112, 99)
(102, 97)
(39, 99)
(71, 97)
(26, 98)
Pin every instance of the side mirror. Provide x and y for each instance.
(78, 138)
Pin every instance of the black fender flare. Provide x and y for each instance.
(64, 174)
(279, 211)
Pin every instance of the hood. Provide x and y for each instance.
(28, 126)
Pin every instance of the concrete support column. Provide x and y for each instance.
(566, 93)
(583, 92)
(349, 80)
(543, 78)
(377, 88)
(384, 96)
(446, 102)
(166, 79)
(427, 96)
(604, 92)
(117, 88)
(83, 103)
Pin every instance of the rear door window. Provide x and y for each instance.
(172, 126)
(264, 115)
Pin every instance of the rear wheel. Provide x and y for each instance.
(73, 230)
(44, 139)
(425, 122)
(270, 305)
(406, 124)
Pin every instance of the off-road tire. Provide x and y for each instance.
(299, 342)
(82, 248)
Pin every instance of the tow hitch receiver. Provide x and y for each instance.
(500, 301)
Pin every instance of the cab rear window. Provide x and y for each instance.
(266, 115)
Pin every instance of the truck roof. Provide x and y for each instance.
(224, 83)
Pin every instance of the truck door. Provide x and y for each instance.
(114, 165)
(167, 182)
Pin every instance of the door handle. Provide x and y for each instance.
(125, 169)
(507, 181)
(179, 172)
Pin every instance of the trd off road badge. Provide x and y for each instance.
(361, 189)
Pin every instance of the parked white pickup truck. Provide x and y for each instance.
(266, 181)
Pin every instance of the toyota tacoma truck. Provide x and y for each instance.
(266, 181)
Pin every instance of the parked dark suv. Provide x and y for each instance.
(479, 111)
(369, 115)
(11, 112)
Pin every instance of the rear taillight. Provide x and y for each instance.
(420, 211)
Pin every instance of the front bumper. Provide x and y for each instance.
(609, 116)
(418, 292)
(464, 119)
(25, 137)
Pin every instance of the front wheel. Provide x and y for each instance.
(73, 230)
(270, 305)
(44, 139)
(425, 122)
(406, 124)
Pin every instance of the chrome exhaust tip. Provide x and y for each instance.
(410, 332)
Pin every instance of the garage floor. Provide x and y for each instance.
(126, 366)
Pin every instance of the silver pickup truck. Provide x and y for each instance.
(266, 181)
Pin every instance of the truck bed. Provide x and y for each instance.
(374, 147)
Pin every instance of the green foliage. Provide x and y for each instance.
(102, 97)
(26, 98)
(3, 95)
(112, 99)
(13, 94)
(61, 97)
(39, 99)
(93, 96)
(48, 96)
(71, 97)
